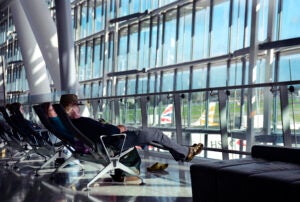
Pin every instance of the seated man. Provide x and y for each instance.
(56, 122)
(139, 137)
(27, 128)
(132, 158)
(16, 111)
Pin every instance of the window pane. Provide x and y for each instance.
(98, 62)
(144, 45)
(90, 18)
(185, 32)
(89, 61)
(131, 86)
(83, 25)
(235, 74)
(100, 89)
(109, 88)
(81, 62)
(219, 35)
(153, 43)
(263, 20)
(200, 41)
(110, 53)
(135, 6)
(95, 90)
(290, 18)
(248, 28)
(289, 68)
(218, 76)
(238, 24)
(169, 38)
(142, 87)
(133, 47)
(120, 87)
(152, 83)
(100, 17)
(123, 8)
(197, 111)
(260, 76)
(168, 81)
(87, 90)
(122, 50)
(199, 77)
(183, 80)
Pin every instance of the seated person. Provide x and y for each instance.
(16, 111)
(56, 122)
(139, 137)
(23, 125)
(58, 126)
(132, 159)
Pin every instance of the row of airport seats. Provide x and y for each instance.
(28, 142)
(271, 173)
(95, 152)
(100, 154)
(25, 140)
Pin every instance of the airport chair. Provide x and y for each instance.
(99, 152)
(32, 140)
(65, 141)
(14, 140)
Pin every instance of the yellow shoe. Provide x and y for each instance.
(194, 150)
(157, 167)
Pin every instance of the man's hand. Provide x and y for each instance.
(122, 128)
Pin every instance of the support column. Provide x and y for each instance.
(252, 99)
(285, 116)
(69, 82)
(2, 79)
(34, 63)
(44, 30)
(268, 97)
(222, 96)
(144, 111)
(178, 118)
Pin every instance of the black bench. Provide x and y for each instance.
(271, 173)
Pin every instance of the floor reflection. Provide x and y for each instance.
(23, 184)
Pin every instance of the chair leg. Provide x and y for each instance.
(105, 170)
(112, 166)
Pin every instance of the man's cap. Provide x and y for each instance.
(69, 100)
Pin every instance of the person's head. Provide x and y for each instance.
(48, 109)
(71, 105)
(15, 107)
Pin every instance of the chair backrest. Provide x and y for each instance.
(96, 149)
(6, 117)
(42, 114)
(20, 124)
(10, 123)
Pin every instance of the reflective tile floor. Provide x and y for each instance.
(21, 183)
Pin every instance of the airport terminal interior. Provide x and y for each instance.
(218, 72)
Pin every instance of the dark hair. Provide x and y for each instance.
(45, 107)
(14, 107)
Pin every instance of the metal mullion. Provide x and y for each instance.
(162, 36)
(177, 34)
(139, 45)
(245, 23)
(128, 44)
(193, 28)
(230, 25)
(210, 26)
